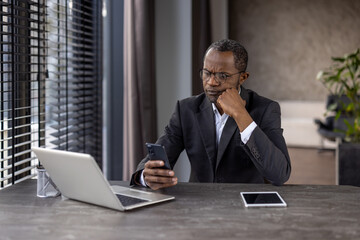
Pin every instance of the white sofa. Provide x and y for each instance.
(297, 120)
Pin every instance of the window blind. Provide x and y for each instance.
(74, 91)
(51, 88)
(22, 87)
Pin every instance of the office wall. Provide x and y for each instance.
(219, 19)
(290, 41)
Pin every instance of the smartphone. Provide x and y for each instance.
(157, 152)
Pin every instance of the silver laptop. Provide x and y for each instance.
(78, 177)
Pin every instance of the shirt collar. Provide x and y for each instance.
(214, 107)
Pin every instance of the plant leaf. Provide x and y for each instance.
(332, 107)
(338, 59)
(337, 115)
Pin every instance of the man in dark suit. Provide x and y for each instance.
(230, 134)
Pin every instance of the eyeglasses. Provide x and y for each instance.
(220, 77)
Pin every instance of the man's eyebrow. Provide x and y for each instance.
(216, 72)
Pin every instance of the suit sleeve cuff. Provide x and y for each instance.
(142, 180)
(246, 134)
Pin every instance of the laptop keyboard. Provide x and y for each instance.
(127, 201)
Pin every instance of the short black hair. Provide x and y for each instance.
(238, 50)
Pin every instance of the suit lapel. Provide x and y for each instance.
(226, 135)
(206, 123)
(229, 129)
(245, 95)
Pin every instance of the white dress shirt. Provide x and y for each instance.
(220, 121)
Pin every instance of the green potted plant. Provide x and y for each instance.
(342, 79)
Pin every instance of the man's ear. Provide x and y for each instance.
(243, 77)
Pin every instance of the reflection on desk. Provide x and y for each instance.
(200, 211)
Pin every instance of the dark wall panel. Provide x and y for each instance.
(290, 41)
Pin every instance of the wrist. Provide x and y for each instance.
(243, 120)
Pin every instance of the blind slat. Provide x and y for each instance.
(18, 163)
(23, 170)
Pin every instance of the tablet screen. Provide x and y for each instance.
(262, 199)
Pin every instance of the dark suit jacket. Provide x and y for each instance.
(192, 127)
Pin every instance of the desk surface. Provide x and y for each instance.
(200, 211)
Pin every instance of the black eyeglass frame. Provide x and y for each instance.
(218, 79)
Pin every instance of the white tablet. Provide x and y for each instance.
(262, 199)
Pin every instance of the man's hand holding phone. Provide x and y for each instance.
(157, 171)
(156, 177)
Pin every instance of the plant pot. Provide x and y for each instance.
(348, 164)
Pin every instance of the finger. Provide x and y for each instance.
(154, 164)
(158, 172)
(162, 172)
(159, 179)
(156, 186)
(220, 97)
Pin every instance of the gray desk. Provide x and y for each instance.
(200, 211)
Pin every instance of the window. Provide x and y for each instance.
(22, 82)
(74, 90)
(50, 82)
